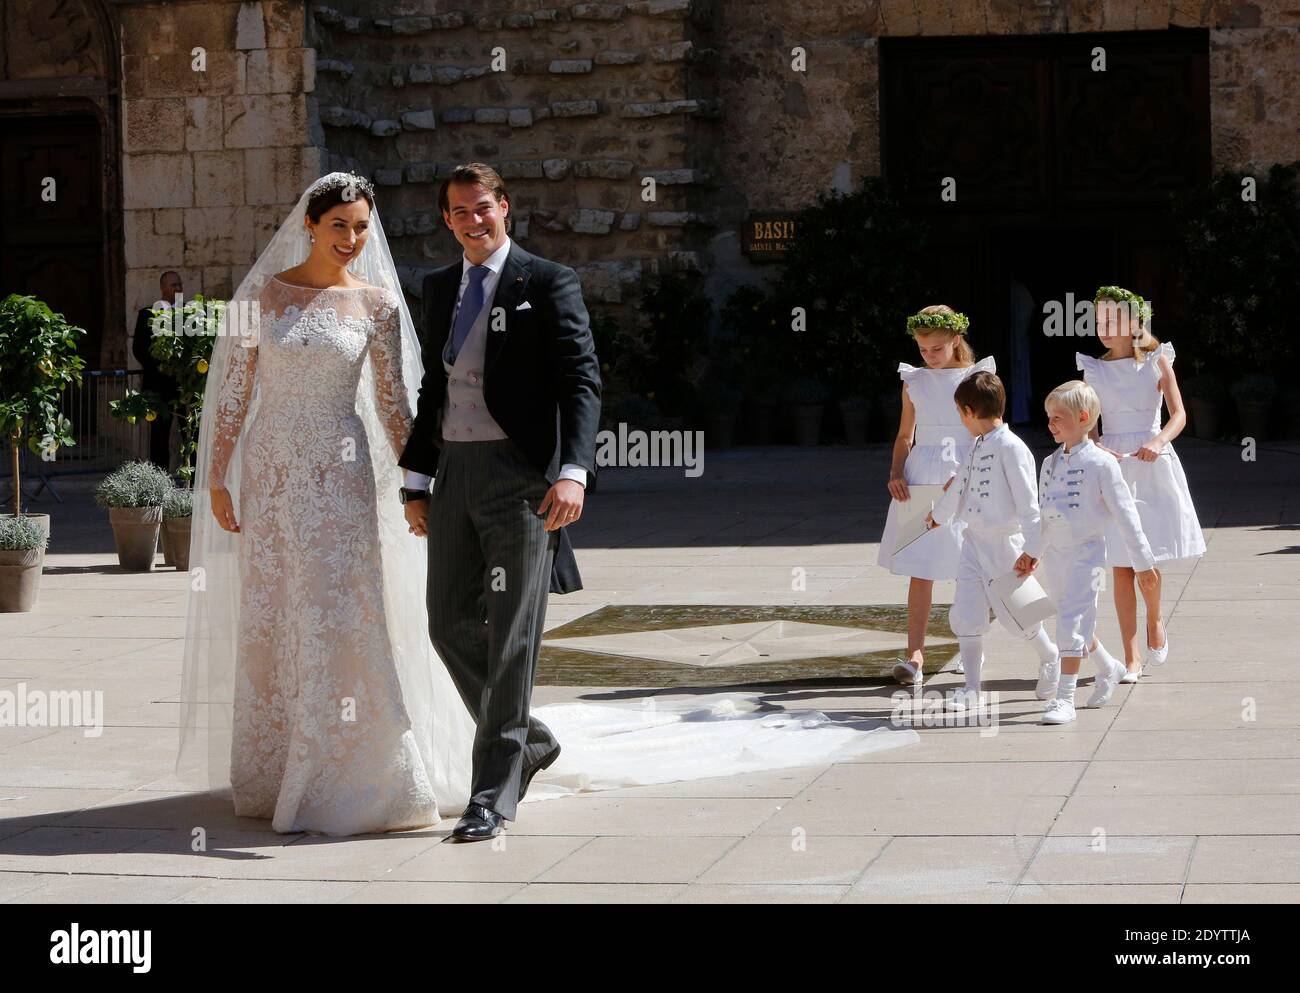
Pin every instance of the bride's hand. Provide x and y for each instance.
(417, 517)
(223, 508)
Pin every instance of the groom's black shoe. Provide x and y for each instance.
(477, 824)
(546, 762)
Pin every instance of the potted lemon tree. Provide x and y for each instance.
(38, 359)
(182, 343)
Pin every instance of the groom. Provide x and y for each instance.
(506, 421)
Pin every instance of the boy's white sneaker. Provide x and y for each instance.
(1103, 687)
(963, 699)
(1058, 712)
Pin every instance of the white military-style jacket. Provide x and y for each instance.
(994, 490)
(1080, 493)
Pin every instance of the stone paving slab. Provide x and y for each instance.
(1186, 788)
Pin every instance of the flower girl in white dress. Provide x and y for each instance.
(931, 444)
(1133, 379)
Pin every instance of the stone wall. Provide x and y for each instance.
(213, 158)
(576, 105)
(822, 128)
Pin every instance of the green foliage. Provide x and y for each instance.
(179, 502)
(185, 357)
(1239, 266)
(924, 323)
(21, 534)
(675, 339)
(855, 269)
(136, 405)
(1255, 388)
(134, 484)
(38, 360)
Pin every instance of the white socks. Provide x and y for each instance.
(1065, 687)
(1043, 645)
(972, 657)
(1105, 662)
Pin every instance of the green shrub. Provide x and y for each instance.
(21, 534)
(134, 484)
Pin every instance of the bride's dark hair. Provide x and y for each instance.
(331, 196)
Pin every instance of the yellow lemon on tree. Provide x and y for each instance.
(202, 365)
(151, 416)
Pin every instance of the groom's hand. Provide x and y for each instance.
(417, 517)
(565, 500)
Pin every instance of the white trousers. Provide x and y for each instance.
(1073, 575)
(984, 557)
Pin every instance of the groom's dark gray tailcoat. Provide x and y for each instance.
(491, 563)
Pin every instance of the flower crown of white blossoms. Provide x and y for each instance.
(341, 180)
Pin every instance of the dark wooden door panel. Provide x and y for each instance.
(53, 249)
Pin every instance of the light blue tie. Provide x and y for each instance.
(471, 302)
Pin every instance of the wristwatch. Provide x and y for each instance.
(408, 495)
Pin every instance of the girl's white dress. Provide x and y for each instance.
(940, 445)
(1131, 402)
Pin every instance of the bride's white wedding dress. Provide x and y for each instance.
(322, 740)
(312, 695)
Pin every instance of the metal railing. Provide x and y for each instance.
(103, 441)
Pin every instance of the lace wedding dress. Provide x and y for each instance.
(322, 740)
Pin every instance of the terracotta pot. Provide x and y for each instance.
(176, 533)
(807, 419)
(1205, 416)
(721, 429)
(20, 578)
(135, 529)
(759, 423)
(855, 423)
(1253, 419)
(165, 539)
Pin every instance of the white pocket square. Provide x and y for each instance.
(525, 306)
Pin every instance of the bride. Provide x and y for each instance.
(312, 695)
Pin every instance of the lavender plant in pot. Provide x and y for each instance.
(133, 494)
(178, 511)
(22, 556)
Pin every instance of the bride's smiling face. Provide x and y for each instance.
(341, 232)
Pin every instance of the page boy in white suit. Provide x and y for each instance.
(993, 493)
(1082, 492)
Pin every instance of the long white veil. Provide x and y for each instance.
(442, 727)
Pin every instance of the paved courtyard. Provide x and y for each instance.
(1186, 788)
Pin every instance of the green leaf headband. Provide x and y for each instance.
(1121, 295)
(956, 323)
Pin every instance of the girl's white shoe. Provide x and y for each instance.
(1058, 712)
(906, 672)
(960, 667)
(1158, 656)
(1131, 675)
(1103, 687)
(1049, 675)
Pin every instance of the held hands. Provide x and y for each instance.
(223, 508)
(417, 517)
(1147, 580)
(898, 488)
(930, 522)
(1025, 565)
(564, 498)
